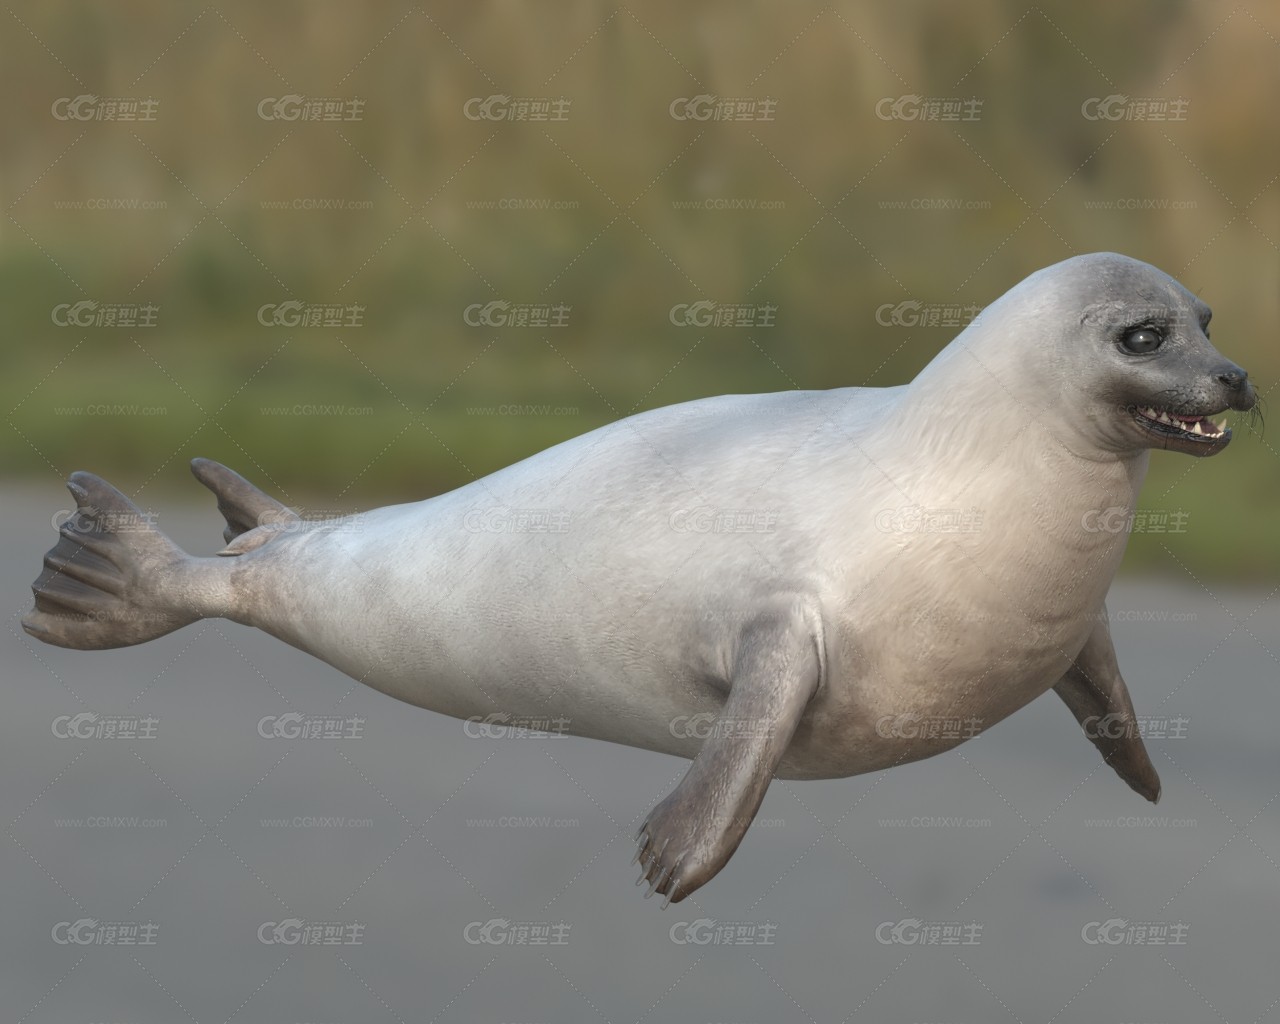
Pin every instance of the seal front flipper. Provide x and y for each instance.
(243, 506)
(1096, 694)
(692, 833)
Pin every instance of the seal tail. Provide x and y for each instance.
(113, 579)
(242, 505)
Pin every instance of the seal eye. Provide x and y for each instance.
(1141, 340)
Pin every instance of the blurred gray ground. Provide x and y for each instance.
(414, 830)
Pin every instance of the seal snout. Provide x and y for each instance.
(1186, 418)
(1241, 395)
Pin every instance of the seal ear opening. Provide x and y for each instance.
(242, 505)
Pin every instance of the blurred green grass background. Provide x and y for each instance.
(414, 211)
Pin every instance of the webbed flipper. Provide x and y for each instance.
(1096, 694)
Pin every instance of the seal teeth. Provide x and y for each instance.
(1202, 426)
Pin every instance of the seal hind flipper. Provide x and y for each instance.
(694, 831)
(243, 505)
(1096, 694)
(107, 582)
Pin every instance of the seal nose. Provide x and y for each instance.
(1236, 381)
(1234, 378)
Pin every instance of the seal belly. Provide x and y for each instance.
(962, 631)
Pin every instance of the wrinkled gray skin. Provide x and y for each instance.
(821, 640)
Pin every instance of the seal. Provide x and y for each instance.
(810, 584)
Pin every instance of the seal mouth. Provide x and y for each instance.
(1193, 433)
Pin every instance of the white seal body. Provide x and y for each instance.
(806, 584)
(606, 581)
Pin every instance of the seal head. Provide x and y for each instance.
(1137, 361)
(1108, 355)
